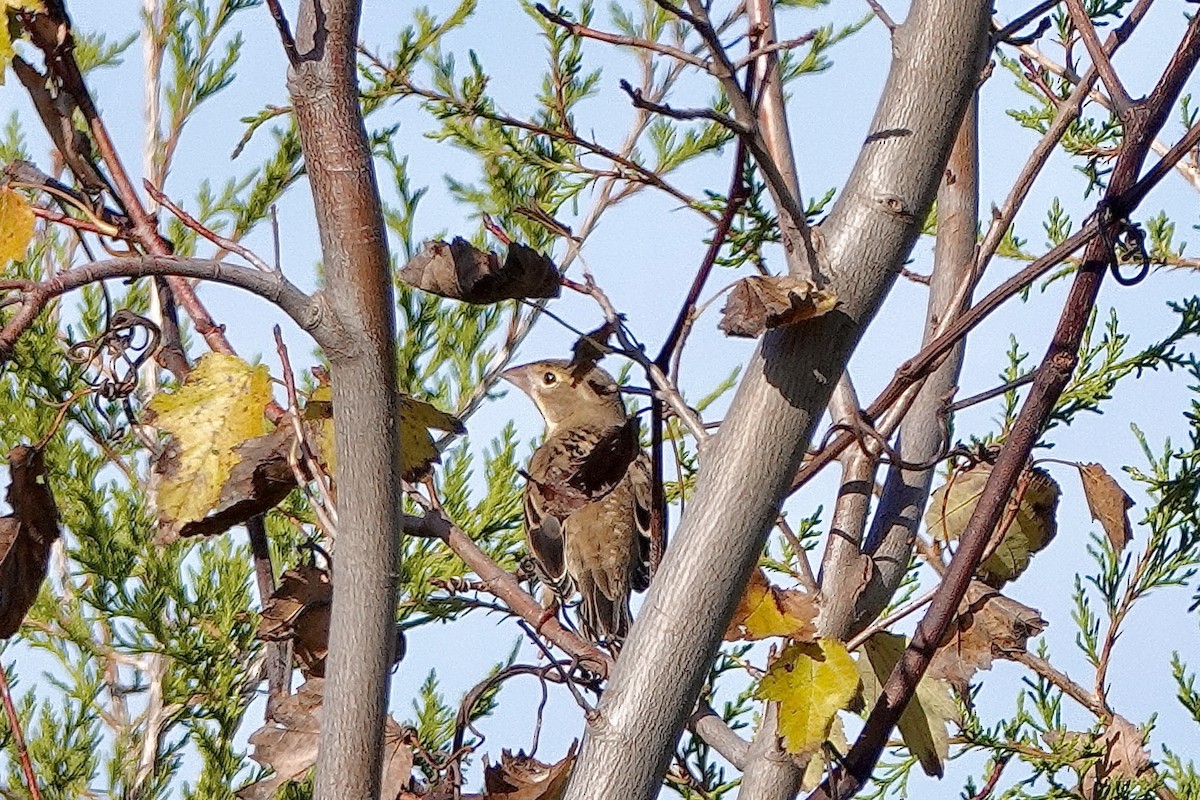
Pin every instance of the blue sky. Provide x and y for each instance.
(644, 254)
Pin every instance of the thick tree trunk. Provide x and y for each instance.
(362, 627)
(748, 468)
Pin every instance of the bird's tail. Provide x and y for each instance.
(602, 618)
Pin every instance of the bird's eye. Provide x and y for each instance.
(549, 378)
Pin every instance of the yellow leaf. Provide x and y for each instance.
(217, 408)
(318, 410)
(815, 769)
(417, 450)
(319, 404)
(1033, 524)
(16, 222)
(923, 723)
(811, 681)
(767, 610)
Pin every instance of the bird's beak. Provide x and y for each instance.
(518, 377)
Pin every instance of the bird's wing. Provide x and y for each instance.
(544, 533)
(606, 456)
(641, 480)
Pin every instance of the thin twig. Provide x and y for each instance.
(585, 32)
(1005, 33)
(1100, 60)
(279, 656)
(883, 15)
(14, 725)
(685, 114)
(1060, 680)
(882, 624)
(805, 575)
(326, 509)
(663, 386)
(285, 32)
(434, 524)
(993, 778)
(773, 47)
(194, 224)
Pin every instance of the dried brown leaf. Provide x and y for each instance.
(1117, 755)
(1108, 503)
(26, 536)
(988, 626)
(288, 745)
(462, 272)
(758, 303)
(589, 349)
(523, 777)
(299, 610)
(260, 480)
(1033, 525)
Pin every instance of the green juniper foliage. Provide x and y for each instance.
(138, 673)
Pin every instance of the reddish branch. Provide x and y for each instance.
(278, 654)
(916, 368)
(1142, 122)
(59, 50)
(919, 366)
(14, 725)
(504, 586)
(674, 344)
(1100, 60)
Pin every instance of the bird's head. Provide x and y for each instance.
(569, 395)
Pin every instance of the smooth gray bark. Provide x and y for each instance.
(748, 467)
(924, 431)
(323, 87)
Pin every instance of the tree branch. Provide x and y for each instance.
(784, 390)
(324, 92)
(924, 431)
(306, 311)
(1145, 120)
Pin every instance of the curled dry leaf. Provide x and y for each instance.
(766, 610)
(758, 303)
(1108, 503)
(299, 610)
(26, 536)
(260, 480)
(462, 272)
(523, 777)
(1032, 528)
(923, 723)
(988, 626)
(811, 681)
(288, 745)
(1117, 756)
(590, 348)
(16, 218)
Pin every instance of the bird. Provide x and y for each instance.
(587, 495)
